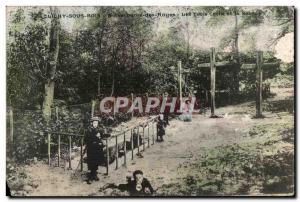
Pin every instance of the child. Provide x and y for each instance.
(139, 186)
(94, 145)
(161, 124)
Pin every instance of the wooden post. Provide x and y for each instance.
(114, 104)
(58, 147)
(132, 146)
(212, 80)
(131, 104)
(179, 80)
(148, 134)
(146, 106)
(156, 132)
(259, 75)
(70, 150)
(143, 138)
(58, 152)
(81, 154)
(56, 113)
(11, 132)
(206, 99)
(49, 148)
(125, 163)
(153, 131)
(107, 157)
(117, 153)
(138, 139)
(93, 108)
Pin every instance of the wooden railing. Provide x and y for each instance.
(115, 139)
(111, 142)
(70, 136)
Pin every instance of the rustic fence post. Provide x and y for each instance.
(11, 132)
(148, 135)
(56, 113)
(138, 139)
(212, 80)
(49, 147)
(58, 147)
(117, 153)
(113, 107)
(153, 121)
(93, 108)
(206, 99)
(70, 151)
(259, 75)
(58, 152)
(143, 137)
(132, 146)
(125, 163)
(179, 80)
(107, 157)
(81, 154)
(131, 104)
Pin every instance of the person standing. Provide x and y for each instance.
(161, 124)
(94, 144)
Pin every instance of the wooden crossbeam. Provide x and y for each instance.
(185, 71)
(217, 64)
(248, 66)
(258, 66)
(264, 65)
(269, 64)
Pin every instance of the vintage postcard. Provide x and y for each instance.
(150, 101)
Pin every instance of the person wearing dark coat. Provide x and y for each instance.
(166, 119)
(161, 124)
(139, 186)
(94, 145)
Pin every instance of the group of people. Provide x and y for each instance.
(95, 156)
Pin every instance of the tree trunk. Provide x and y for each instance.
(48, 99)
(102, 27)
(237, 56)
(99, 83)
(53, 55)
(113, 82)
(236, 39)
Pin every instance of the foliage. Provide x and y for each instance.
(111, 55)
(258, 165)
(26, 58)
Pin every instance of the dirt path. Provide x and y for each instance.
(160, 163)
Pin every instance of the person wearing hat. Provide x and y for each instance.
(94, 144)
(161, 125)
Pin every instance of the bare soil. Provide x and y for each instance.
(165, 163)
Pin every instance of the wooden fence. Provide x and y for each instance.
(258, 66)
(123, 135)
(117, 142)
(70, 137)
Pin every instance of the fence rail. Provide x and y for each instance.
(69, 135)
(114, 141)
(123, 134)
